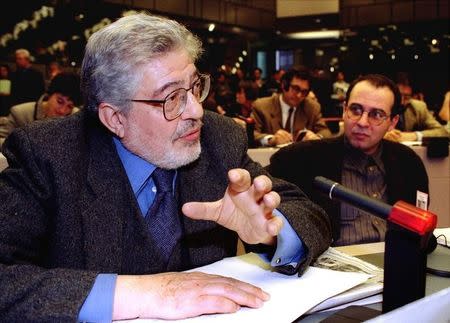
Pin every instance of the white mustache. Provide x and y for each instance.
(186, 127)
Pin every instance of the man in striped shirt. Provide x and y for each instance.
(360, 159)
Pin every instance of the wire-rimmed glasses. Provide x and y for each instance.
(374, 116)
(175, 102)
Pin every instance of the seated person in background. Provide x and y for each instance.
(281, 117)
(415, 120)
(60, 100)
(360, 160)
(444, 112)
(99, 210)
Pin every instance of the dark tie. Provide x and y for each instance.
(288, 121)
(163, 218)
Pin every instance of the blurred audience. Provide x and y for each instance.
(60, 100)
(340, 87)
(257, 82)
(27, 84)
(53, 69)
(285, 116)
(5, 90)
(444, 112)
(273, 85)
(415, 120)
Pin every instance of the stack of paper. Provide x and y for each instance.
(291, 296)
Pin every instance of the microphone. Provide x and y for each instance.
(407, 242)
(361, 201)
(406, 215)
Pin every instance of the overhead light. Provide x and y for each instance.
(240, 59)
(211, 27)
(244, 52)
(315, 34)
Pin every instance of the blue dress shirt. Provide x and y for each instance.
(98, 305)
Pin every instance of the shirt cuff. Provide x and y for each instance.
(290, 250)
(98, 306)
(419, 135)
(265, 140)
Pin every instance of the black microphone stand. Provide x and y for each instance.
(408, 232)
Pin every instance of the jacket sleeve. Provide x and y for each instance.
(310, 221)
(31, 289)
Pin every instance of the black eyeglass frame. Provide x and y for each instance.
(207, 79)
(298, 90)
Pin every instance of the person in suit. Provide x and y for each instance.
(360, 160)
(102, 210)
(60, 100)
(415, 120)
(27, 83)
(280, 118)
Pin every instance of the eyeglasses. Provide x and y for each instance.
(175, 102)
(298, 90)
(375, 116)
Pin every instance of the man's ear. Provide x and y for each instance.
(112, 119)
(393, 122)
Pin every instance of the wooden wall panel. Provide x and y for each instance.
(402, 11)
(176, 7)
(374, 14)
(378, 12)
(211, 11)
(444, 9)
(426, 10)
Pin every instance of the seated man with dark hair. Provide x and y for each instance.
(280, 118)
(60, 100)
(360, 160)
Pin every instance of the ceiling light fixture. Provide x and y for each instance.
(318, 34)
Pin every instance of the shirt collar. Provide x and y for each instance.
(359, 160)
(284, 106)
(138, 170)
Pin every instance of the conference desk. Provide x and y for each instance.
(374, 253)
(438, 170)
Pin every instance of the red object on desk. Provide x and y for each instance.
(413, 218)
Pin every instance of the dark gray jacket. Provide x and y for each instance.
(68, 213)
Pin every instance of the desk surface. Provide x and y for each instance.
(374, 253)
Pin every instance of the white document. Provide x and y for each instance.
(443, 236)
(291, 296)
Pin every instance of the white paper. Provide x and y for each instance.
(291, 296)
(443, 236)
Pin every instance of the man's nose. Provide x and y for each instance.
(193, 109)
(364, 120)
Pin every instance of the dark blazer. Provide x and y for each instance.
(68, 213)
(267, 115)
(301, 162)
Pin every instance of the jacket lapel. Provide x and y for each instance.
(275, 114)
(104, 204)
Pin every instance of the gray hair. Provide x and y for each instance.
(114, 56)
(23, 51)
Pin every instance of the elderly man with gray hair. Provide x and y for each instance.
(102, 211)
